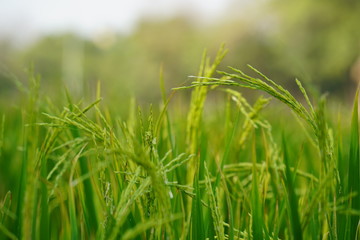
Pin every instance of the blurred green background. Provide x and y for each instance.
(317, 42)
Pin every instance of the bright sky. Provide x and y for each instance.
(29, 18)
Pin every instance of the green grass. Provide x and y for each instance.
(79, 171)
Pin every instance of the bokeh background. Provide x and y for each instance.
(123, 44)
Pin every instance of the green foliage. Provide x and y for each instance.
(85, 173)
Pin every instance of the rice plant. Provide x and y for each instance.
(81, 172)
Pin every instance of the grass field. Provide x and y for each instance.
(81, 171)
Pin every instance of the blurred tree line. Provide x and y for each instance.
(317, 42)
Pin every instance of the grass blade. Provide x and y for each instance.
(354, 170)
(292, 198)
(256, 207)
(197, 222)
